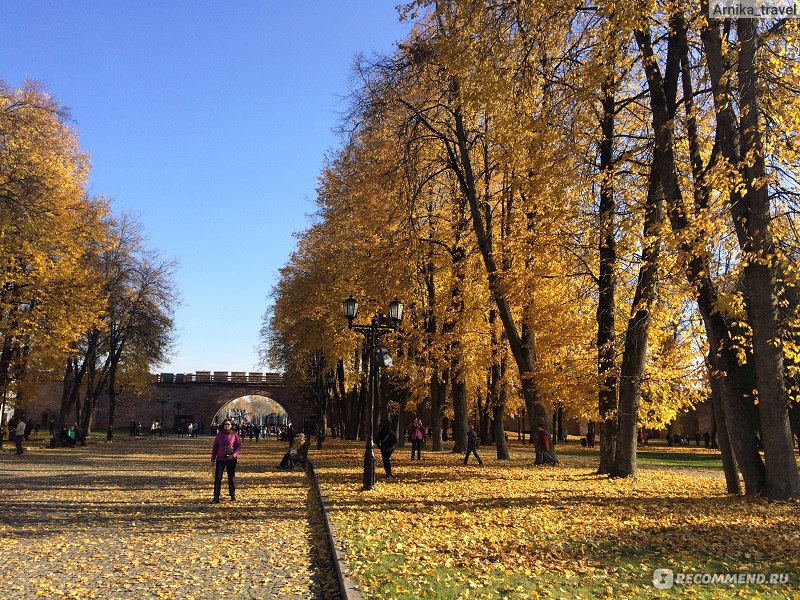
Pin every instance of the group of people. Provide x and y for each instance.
(683, 440)
(12, 425)
(386, 440)
(227, 445)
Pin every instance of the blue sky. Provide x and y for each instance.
(209, 120)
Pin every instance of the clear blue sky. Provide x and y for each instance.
(210, 121)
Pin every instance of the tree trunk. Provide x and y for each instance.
(782, 481)
(523, 353)
(353, 417)
(537, 415)
(733, 389)
(438, 393)
(728, 459)
(460, 417)
(735, 385)
(112, 399)
(66, 395)
(363, 400)
(697, 268)
(497, 393)
(322, 426)
(635, 350)
(559, 426)
(345, 403)
(402, 427)
(714, 444)
(484, 411)
(499, 415)
(606, 305)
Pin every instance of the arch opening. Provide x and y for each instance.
(261, 411)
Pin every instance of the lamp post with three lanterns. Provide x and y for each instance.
(372, 333)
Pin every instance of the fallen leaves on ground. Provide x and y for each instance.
(133, 519)
(511, 529)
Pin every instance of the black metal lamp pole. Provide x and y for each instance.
(178, 408)
(372, 334)
(161, 422)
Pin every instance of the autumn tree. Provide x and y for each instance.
(51, 232)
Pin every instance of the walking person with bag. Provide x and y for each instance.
(224, 455)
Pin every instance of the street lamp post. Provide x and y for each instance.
(178, 409)
(161, 422)
(379, 326)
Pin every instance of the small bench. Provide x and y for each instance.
(301, 458)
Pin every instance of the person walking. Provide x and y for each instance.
(387, 440)
(19, 435)
(472, 445)
(416, 435)
(544, 458)
(224, 455)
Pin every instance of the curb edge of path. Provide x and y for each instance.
(347, 587)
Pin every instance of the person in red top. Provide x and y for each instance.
(416, 434)
(545, 458)
(224, 455)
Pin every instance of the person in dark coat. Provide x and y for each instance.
(386, 440)
(472, 445)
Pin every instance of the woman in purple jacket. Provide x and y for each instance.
(224, 455)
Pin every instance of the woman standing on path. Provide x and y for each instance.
(224, 454)
(416, 434)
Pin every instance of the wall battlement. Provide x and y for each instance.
(238, 377)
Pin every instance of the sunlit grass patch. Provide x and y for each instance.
(514, 530)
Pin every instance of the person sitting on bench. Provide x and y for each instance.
(294, 451)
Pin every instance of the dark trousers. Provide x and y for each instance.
(230, 467)
(386, 455)
(18, 440)
(416, 446)
(545, 458)
(285, 460)
(475, 452)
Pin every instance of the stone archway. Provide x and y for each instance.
(255, 408)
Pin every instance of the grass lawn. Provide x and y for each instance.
(679, 457)
(654, 455)
(514, 530)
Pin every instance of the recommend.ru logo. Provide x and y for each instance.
(663, 579)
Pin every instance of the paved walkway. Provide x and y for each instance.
(133, 519)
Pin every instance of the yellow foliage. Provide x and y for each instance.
(51, 231)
